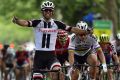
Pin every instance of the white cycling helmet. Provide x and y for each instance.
(118, 35)
(10, 51)
(82, 25)
(47, 5)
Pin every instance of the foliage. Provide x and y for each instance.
(69, 11)
(14, 33)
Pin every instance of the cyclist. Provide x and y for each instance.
(85, 46)
(118, 45)
(45, 30)
(9, 61)
(109, 52)
(3, 52)
(21, 63)
(61, 47)
(1, 57)
(61, 50)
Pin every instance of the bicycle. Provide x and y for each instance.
(116, 73)
(9, 72)
(83, 71)
(104, 76)
(66, 72)
(81, 68)
(43, 76)
(22, 73)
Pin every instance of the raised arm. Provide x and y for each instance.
(20, 22)
(77, 30)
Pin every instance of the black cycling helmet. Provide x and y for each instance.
(6, 46)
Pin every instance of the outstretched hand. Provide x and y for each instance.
(14, 20)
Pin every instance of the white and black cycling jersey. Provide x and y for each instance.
(10, 55)
(46, 33)
(82, 47)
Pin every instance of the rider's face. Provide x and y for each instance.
(104, 45)
(82, 36)
(47, 13)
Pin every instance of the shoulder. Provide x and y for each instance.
(61, 25)
(92, 37)
(59, 22)
(34, 22)
(111, 45)
(10, 50)
(17, 52)
(72, 36)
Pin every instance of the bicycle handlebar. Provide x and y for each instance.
(44, 70)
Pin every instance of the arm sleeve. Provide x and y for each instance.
(72, 42)
(94, 42)
(113, 50)
(33, 23)
(63, 26)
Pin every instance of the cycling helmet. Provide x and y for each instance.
(62, 35)
(104, 38)
(47, 5)
(10, 51)
(82, 25)
(118, 36)
(6, 46)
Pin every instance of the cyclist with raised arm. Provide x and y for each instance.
(85, 47)
(109, 52)
(45, 30)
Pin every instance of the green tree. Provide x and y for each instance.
(69, 11)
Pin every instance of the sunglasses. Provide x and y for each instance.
(46, 10)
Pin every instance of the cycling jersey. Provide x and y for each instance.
(46, 33)
(61, 49)
(4, 51)
(21, 57)
(10, 55)
(108, 48)
(83, 47)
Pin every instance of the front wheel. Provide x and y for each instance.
(67, 78)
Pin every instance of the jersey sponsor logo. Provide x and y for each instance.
(44, 30)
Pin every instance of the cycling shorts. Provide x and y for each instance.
(45, 59)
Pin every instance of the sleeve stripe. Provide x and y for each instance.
(30, 23)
